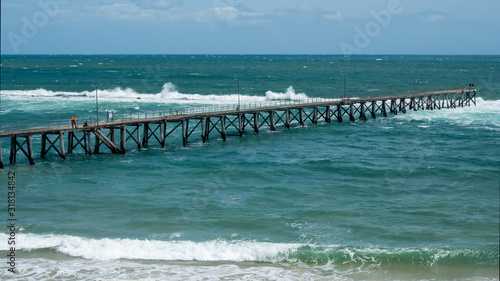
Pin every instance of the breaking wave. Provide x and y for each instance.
(249, 251)
(168, 94)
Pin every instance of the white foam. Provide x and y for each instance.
(288, 95)
(76, 269)
(169, 94)
(114, 249)
(483, 113)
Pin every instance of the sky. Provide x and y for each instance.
(250, 27)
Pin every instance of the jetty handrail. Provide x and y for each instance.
(176, 112)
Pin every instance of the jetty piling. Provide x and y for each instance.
(227, 121)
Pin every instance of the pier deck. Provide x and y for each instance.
(219, 119)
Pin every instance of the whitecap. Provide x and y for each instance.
(288, 95)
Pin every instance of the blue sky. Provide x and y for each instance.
(250, 27)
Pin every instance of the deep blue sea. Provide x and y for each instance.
(411, 196)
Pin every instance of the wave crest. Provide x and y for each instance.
(288, 95)
(250, 251)
(168, 94)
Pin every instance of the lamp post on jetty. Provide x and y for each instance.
(462, 70)
(344, 87)
(96, 104)
(238, 92)
(414, 82)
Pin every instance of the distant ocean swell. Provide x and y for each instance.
(251, 251)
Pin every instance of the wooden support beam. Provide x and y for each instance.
(339, 113)
(315, 115)
(88, 143)
(30, 150)
(328, 116)
(271, 122)
(1, 157)
(112, 136)
(384, 111)
(70, 142)
(373, 110)
(123, 139)
(71, 145)
(240, 124)
(44, 141)
(391, 108)
(131, 135)
(244, 121)
(61, 145)
(223, 127)
(139, 137)
(207, 128)
(13, 150)
(145, 133)
(163, 128)
(203, 132)
(185, 131)
(301, 117)
(256, 122)
(351, 113)
(15, 146)
(287, 118)
(97, 145)
(45, 149)
(362, 113)
(89, 140)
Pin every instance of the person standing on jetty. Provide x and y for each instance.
(73, 122)
(109, 116)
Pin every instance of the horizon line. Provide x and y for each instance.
(233, 54)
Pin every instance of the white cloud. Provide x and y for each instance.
(158, 4)
(124, 12)
(229, 3)
(133, 12)
(218, 14)
(307, 13)
(334, 17)
(431, 16)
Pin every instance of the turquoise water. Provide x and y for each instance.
(408, 197)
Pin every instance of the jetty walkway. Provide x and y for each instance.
(224, 120)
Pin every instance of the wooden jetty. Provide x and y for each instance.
(225, 121)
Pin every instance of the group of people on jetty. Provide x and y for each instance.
(109, 117)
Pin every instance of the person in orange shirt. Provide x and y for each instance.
(73, 122)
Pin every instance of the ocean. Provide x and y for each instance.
(411, 196)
